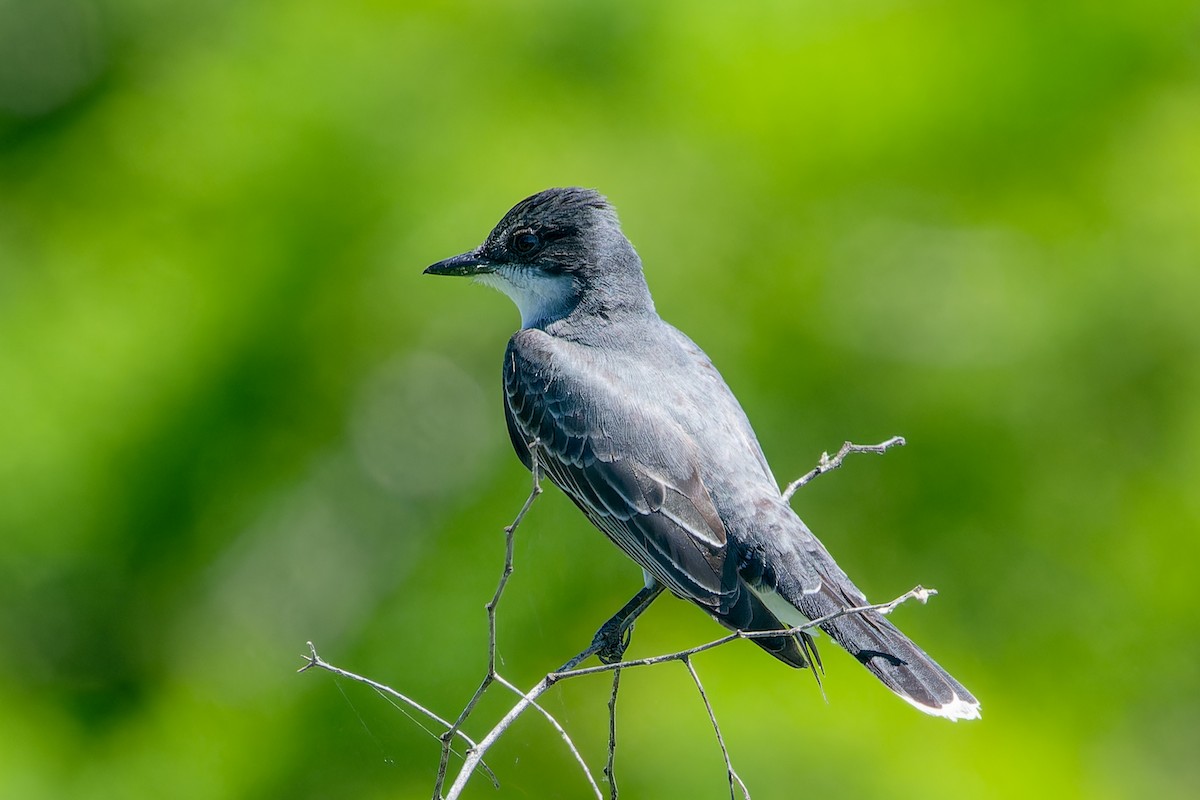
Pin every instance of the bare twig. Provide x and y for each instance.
(918, 593)
(600, 645)
(571, 669)
(561, 732)
(448, 736)
(315, 660)
(826, 463)
(610, 766)
(730, 772)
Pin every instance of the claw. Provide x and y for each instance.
(612, 641)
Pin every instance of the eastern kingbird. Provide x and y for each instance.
(630, 418)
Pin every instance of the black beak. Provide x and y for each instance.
(466, 264)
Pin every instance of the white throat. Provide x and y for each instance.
(539, 297)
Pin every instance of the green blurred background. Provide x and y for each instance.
(234, 416)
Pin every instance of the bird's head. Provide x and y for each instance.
(558, 254)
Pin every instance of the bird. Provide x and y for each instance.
(631, 420)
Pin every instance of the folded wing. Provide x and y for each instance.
(635, 475)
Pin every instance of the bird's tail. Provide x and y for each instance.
(901, 665)
(807, 584)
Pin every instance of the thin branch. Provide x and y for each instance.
(827, 464)
(448, 736)
(918, 593)
(500, 679)
(475, 754)
(610, 766)
(315, 660)
(473, 758)
(730, 772)
(571, 669)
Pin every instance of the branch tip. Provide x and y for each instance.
(312, 658)
(826, 463)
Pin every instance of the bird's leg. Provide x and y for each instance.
(610, 641)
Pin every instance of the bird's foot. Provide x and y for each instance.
(611, 641)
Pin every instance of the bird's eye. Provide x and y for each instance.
(524, 242)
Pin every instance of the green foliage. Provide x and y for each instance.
(234, 416)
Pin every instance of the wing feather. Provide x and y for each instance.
(666, 522)
(636, 477)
